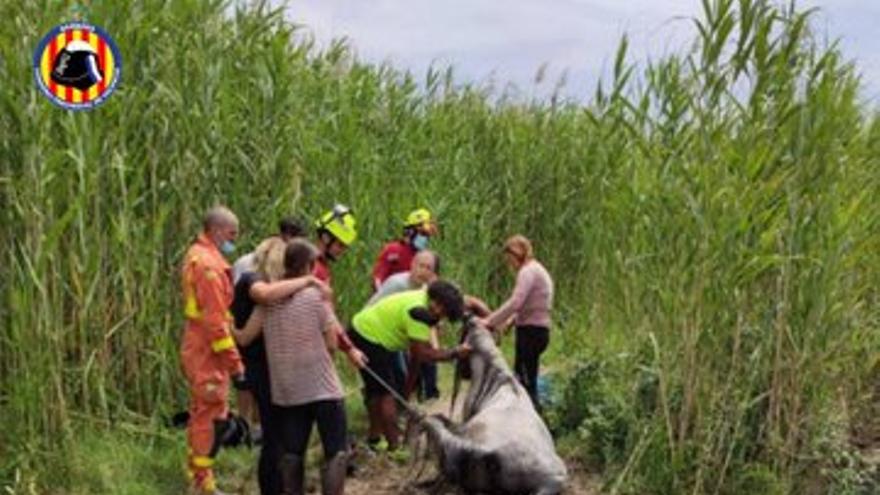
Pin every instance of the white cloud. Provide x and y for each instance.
(513, 38)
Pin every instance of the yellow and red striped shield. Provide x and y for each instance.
(77, 66)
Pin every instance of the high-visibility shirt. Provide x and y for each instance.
(207, 292)
(395, 257)
(390, 323)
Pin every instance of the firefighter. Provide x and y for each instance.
(208, 351)
(336, 231)
(397, 255)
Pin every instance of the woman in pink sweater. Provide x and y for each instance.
(530, 306)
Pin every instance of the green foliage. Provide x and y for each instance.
(592, 411)
(710, 213)
(758, 479)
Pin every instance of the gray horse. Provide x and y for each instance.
(502, 446)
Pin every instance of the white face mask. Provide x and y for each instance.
(227, 247)
(420, 242)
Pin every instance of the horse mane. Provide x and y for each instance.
(496, 374)
(483, 343)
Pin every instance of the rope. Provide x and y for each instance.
(410, 409)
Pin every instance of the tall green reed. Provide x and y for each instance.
(713, 207)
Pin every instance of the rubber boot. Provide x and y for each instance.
(333, 475)
(292, 469)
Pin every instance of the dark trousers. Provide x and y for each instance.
(399, 371)
(270, 449)
(531, 342)
(295, 426)
(428, 381)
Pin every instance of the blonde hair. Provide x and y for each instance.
(520, 247)
(269, 258)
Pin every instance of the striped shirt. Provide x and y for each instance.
(301, 369)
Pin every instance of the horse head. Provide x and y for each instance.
(479, 454)
(485, 367)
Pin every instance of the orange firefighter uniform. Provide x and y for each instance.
(208, 353)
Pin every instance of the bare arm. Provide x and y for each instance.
(514, 303)
(477, 306)
(420, 352)
(423, 352)
(269, 292)
(252, 329)
(340, 339)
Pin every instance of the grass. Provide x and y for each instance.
(708, 216)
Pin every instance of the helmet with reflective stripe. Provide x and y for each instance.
(340, 223)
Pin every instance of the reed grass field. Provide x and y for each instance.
(710, 217)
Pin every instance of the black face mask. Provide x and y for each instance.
(424, 316)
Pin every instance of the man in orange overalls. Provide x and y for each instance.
(208, 352)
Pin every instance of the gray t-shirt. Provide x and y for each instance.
(399, 282)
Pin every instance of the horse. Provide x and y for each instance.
(502, 445)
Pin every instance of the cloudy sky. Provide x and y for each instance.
(507, 41)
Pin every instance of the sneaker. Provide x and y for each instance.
(377, 444)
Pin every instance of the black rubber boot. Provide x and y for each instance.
(333, 475)
(292, 469)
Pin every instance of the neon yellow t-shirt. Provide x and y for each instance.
(388, 322)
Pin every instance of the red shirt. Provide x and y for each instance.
(395, 257)
(322, 270)
(322, 273)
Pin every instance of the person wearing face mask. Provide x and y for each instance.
(397, 255)
(424, 269)
(208, 353)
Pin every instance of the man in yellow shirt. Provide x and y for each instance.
(399, 322)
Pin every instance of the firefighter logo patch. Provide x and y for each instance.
(77, 66)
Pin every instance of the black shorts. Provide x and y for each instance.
(381, 361)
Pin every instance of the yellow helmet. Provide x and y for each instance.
(340, 223)
(420, 219)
